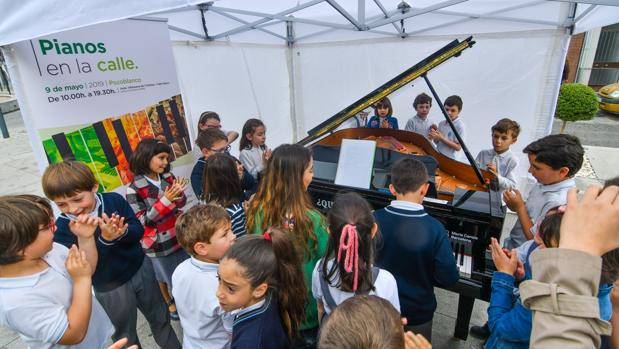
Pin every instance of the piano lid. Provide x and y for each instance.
(453, 49)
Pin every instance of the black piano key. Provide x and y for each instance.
(122, 138)
(106, 145)
(165, 124)
(63, 147)
(462, 254)
(456, 251)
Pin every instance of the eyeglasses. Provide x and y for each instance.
(51, 226)
(222, 150)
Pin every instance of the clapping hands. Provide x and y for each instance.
(84, 226)
(112, 227)
(175, 191)
(77, 265)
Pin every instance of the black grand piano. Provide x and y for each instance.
(462, 196)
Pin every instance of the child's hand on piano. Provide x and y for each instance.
(513, 199)
(503, 263)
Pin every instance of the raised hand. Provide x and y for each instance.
(85, 226)
(77, 265)
(592, 224)
(513, 199)
(174, 191)
(266, 155)
(492, 168)
(502, 262)
(112, 227)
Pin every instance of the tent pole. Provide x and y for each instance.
(346, 15)
(222, 13)
(291, 79)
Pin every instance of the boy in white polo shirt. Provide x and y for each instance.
(444, 137)
(45, 288)
(205, 233)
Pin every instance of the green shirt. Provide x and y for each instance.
(320, 230)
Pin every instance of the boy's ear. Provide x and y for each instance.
(260, 291)
(563, 171)
(392, 190)
(423, 190)
(95, 188)
(205, 152)
(200, 248)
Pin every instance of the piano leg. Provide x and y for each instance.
(465, 309)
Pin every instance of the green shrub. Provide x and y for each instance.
(576, 102)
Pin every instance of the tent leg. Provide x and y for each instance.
(5, 130)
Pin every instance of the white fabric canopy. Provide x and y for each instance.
(294, 75)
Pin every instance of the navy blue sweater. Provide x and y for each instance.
(260, 328)
(417, 251)
(118, 260)
(248, 183)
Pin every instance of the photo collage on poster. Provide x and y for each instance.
(105, 146)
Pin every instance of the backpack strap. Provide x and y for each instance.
(324, 286)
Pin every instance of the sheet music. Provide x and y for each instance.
(354, 167)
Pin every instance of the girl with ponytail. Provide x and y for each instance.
(347, 268)
(261, 278)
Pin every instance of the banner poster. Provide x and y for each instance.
(91, 94)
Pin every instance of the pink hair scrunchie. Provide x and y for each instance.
(349, 243)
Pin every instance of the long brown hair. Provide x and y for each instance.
(220, 180)
(281, 196)
(274, 260)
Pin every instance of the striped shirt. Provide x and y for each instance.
(237, 218)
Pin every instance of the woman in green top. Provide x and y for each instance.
(282, 201)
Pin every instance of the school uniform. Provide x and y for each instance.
(409, 231)
(248, 183)
(195, 288)
(376, 121)
(541, 199)
(252, 160)
(36, 306)
(124, 279)
(418, 125)
(506, 164)
(237, 219)
(260, 326)
(385, 287)
(446, 130)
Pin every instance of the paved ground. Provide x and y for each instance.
(19, 174)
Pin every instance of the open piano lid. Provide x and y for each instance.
(453, 49)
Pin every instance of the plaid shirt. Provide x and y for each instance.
(156, 213)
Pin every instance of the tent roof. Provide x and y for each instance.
(269, 21)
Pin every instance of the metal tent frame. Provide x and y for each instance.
(372, 23)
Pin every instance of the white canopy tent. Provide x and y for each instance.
(294, 64)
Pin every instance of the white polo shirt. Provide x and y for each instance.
(385, 287)
(36, 307)
(195, 287)
(446, 130)
(541, 199)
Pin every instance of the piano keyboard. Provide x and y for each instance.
(462, 251)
